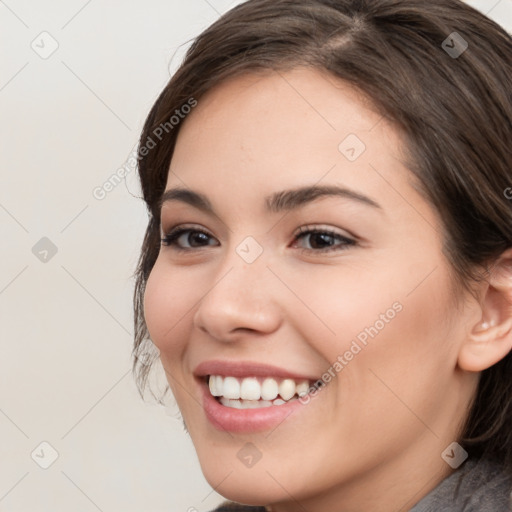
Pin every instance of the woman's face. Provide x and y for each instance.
(363, 303)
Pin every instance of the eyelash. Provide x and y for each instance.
(169, 240)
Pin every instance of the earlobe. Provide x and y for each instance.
(490, 340)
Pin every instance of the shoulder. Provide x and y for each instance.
(478, 486)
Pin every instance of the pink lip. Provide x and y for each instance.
(242, 369)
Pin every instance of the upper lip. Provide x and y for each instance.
(247, 369)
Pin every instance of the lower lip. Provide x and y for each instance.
(246, 420)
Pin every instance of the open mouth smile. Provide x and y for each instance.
(249, 397)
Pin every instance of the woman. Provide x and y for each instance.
(327, 268)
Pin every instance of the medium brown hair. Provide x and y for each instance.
(453, 111)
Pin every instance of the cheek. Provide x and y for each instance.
(167, 302)
(345, 305)
(394, 328)
(410, 359)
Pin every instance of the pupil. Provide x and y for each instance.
(194, 235)
(321, 236)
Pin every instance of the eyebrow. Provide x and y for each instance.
(284, 200)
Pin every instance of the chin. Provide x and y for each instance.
(245, 490)
(248, 486)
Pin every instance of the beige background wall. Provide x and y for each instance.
(68, 121)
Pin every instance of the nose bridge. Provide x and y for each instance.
(244, 270)
(241, 294)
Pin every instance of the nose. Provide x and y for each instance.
(242, 298)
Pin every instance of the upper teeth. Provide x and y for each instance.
(250, 388)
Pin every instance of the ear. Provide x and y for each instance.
(490, 339)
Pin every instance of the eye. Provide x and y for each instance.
(321, 238)
(188, 235)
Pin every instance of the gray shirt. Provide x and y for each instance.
(477, 486)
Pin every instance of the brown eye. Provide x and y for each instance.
(320, 240)
(190, 236)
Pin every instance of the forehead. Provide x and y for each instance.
(304, 104)
(258, 133)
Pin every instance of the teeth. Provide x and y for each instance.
(269, 389)
(287, 389)
(302, 388)
(231, 388)
(213, 388)
(218, 384)
(250, 390)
